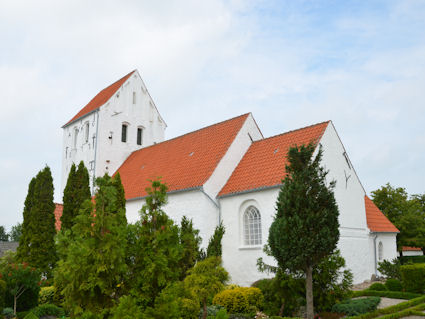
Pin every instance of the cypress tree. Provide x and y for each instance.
(39, 224)
(191, 241)
(76, 191)
(116, 182)
(305, 228)
(214, 245)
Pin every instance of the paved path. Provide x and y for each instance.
(387, 302)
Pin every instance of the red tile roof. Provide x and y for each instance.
(264, 163)
(58, 215)
(101, 98)
(376, 220)
(407, 248)
(183, 162)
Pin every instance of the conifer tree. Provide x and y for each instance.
(77, 190)
(214, 248)
(191, 241)
(38, 245)
(305, 228)
(92, 265)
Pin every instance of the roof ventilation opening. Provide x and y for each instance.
(276, 150)
(191, 153)
(143, 166)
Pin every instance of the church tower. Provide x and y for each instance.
(120, 119)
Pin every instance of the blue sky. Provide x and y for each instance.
(292, 63)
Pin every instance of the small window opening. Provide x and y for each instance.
(191, 153)
(139, 136)
(86, 135)
(380, 250)
(124, 133)
(75, 137)
(134, 97)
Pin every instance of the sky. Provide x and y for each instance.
(291, 63)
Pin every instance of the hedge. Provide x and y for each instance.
(354, 307)
(240, 299)
(48, 310)
(412, 259)
(377, 286)
(388, 294)
(393, 285)
(413, 277)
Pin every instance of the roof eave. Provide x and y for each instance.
(168, 193)
(258, 189)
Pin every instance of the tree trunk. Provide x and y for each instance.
(282, 307)
(14, 305)
(204, 315)
(309, 292)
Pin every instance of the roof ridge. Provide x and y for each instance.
(120, 79)
(291, 131)
(192, 132)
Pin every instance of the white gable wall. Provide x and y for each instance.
(234, 154)
(389, 246)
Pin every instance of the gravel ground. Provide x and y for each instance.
(386, 302)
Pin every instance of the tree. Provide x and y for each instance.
(20, 278)
(305, 228)
(191, 241)
(214, 245)
(206, 279)
(92, 268)
(155, 250)
(76, 192)
(16, 232)
(406, 212)
(37, 245)
(4, 236)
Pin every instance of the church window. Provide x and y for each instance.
(380, 251)
(134, 97)
(139, 136)
(252, 226)
(75, 137)
(124, 133)
(86, 132)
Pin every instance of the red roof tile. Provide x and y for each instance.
(58, 215)
(101, 98)
(183, 162)
(376, 220)
(264, 163)
(407, 248)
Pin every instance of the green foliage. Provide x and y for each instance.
(354, 307)
(305, 228)
(16, 232)
(390, 269)
(76, 192)
(221, 314)
(31, 315)
(46, 295)
(20, 279)
(206, 279)
(48, 310)
(127, 308)
(214, 244)
(240, 299)
(393, 285)
(388, 294)
(377, 286)
(2, 294)
(4, 236)
(406, 213)
(412, 260)
(413, 277)
(191, 241)
(154, 249)
(212, 310)
(8, 313)
(92, 268)
(37, 245)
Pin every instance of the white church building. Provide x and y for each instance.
(227, 172)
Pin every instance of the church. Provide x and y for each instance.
(227, 172)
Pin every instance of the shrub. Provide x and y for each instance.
(211, 311)
(2, 294)
(48, 310)
(388, 294)
(413, 277)
(8, 313)
(22, 314)
(239, 300)
(127, 308)
(412, 259)
(31, 315)
(377, 287)
(393, 285)
(390, 269)
(354, 307)
(46, 295)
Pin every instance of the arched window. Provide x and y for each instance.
(380, 250)
(252, 226)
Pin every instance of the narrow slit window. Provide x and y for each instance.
(124, 133)
(139, 136)
(134, 97)
(87, 127)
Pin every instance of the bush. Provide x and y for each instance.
(22, 314)
(127, 308)
(413, 277)
(241, 315)
(212, 311)
(8, 313)
(390, 269)
(377, 287)
(354, 307)
(48, 310)
(388, 294)
(393, 285)
(2, 294)
(412, 259)
(31, 315)
(239, 300)
(46, 295)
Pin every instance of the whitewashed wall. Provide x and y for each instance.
(389, 245)
(193, 204)
(110, 153)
